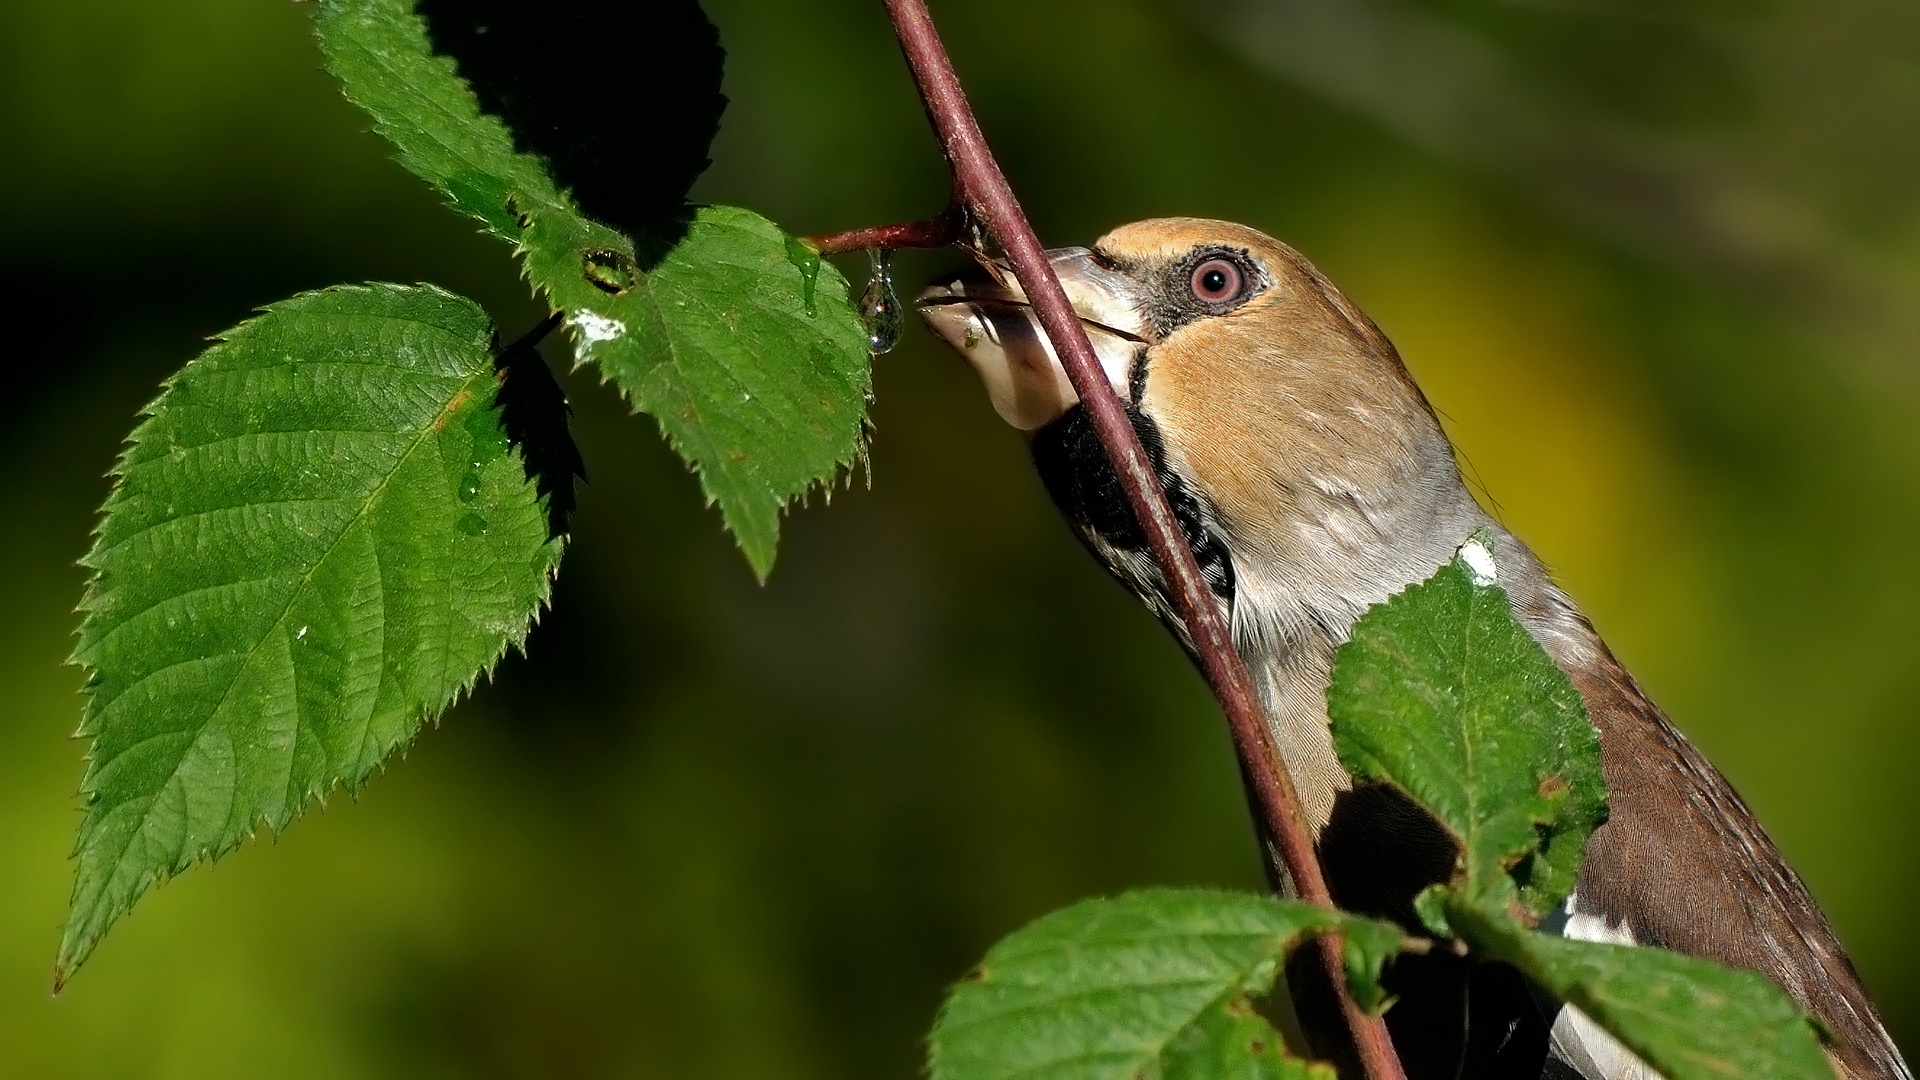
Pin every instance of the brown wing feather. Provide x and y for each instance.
(1682, 862)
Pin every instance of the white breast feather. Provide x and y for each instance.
(1575, 1038)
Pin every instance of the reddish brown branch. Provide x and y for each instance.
(938, 231)
(981, 191)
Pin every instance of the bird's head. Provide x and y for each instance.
(1291, 439)
(1306, 469)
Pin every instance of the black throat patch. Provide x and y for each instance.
(1083, 485)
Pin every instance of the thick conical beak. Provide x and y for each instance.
(984, 315)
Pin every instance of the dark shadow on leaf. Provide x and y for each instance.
(622, 100)
(1507, 1032)
(534, 411)
(1379, 850)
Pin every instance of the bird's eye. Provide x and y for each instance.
(1217, 281)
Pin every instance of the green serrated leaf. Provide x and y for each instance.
(1366, 946)
(317, 539)
(1152, 983)
(1690, 1019)
(751, 360)
(1232, 1041)
(742, 343)
(1442, 693)
(379, 51)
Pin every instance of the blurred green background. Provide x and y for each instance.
(1657, 262)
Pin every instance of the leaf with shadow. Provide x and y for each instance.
(534, 412)
(620, 100)
(738, 339)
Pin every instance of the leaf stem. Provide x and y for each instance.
(1420, 946)
(940, 230)
(532, 338)
(981, 192)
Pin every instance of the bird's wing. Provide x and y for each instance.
(1682, 864)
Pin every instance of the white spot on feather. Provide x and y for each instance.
(1479, 562)
(1575, 1038)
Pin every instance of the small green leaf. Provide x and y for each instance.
(753, 364)
(1366, 946)
(378, 49)
(1689, 1018)
(1152, 983)
(748, 352)
(318, 538)
(1442, 693)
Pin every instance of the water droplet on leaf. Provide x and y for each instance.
(880, 306)
(471, 524)
(470, 486)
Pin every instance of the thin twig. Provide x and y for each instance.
(980, 190)
(532, 338)
(938, 231)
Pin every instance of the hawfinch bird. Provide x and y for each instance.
(1313, 481)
